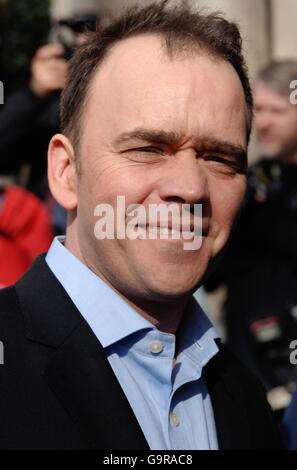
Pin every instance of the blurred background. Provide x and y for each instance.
(252, 295)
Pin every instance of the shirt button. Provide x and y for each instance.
(156, 347)
(174, 420)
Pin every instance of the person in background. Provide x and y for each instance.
(28, 119)
(259, 267)
(30, 116)
(25, 231)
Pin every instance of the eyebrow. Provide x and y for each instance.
(221, 146)
(203, 144)
(149, 135)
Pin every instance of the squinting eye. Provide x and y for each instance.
(225, 163)
(148, 150)
(218, 159)
(145, 154)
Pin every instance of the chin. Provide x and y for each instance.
(172, 286)
(167, 295)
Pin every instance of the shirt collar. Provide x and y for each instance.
(110, 317)
(197, 336)
(107, 313)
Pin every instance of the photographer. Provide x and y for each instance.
(29, 118)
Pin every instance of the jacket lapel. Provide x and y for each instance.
(229, 408)
(81, 378)
(78, 371)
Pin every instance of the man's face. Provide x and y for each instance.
(275, 122)
(191, 112)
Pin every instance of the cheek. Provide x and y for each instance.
(106, 183)
(104, 176)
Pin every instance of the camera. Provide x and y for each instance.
(68, 28)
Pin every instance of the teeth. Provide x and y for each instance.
(175, 233)
(153, 230)
(169, 232)
(165, 232)
(187, 234)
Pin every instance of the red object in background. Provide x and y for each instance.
(25, 232)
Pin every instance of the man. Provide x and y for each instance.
(104, 347)
(260, 266)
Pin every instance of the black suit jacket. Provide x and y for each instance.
(58, 391)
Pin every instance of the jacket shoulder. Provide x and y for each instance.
(248, 397)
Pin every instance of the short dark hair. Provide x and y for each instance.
(179, 27)
(278, 75)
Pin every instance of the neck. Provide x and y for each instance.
(165, 314)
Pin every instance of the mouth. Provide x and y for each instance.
(175, 232)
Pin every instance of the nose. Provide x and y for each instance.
(185, 181)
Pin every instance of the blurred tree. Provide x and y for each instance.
(24, 26)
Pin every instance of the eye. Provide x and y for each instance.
(148, 150)
(218, 159)
(148, 154)
(224, 163)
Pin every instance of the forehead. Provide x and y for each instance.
(139, 81)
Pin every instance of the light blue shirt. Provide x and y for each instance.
(172, 405)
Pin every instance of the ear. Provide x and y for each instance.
(62, 173)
